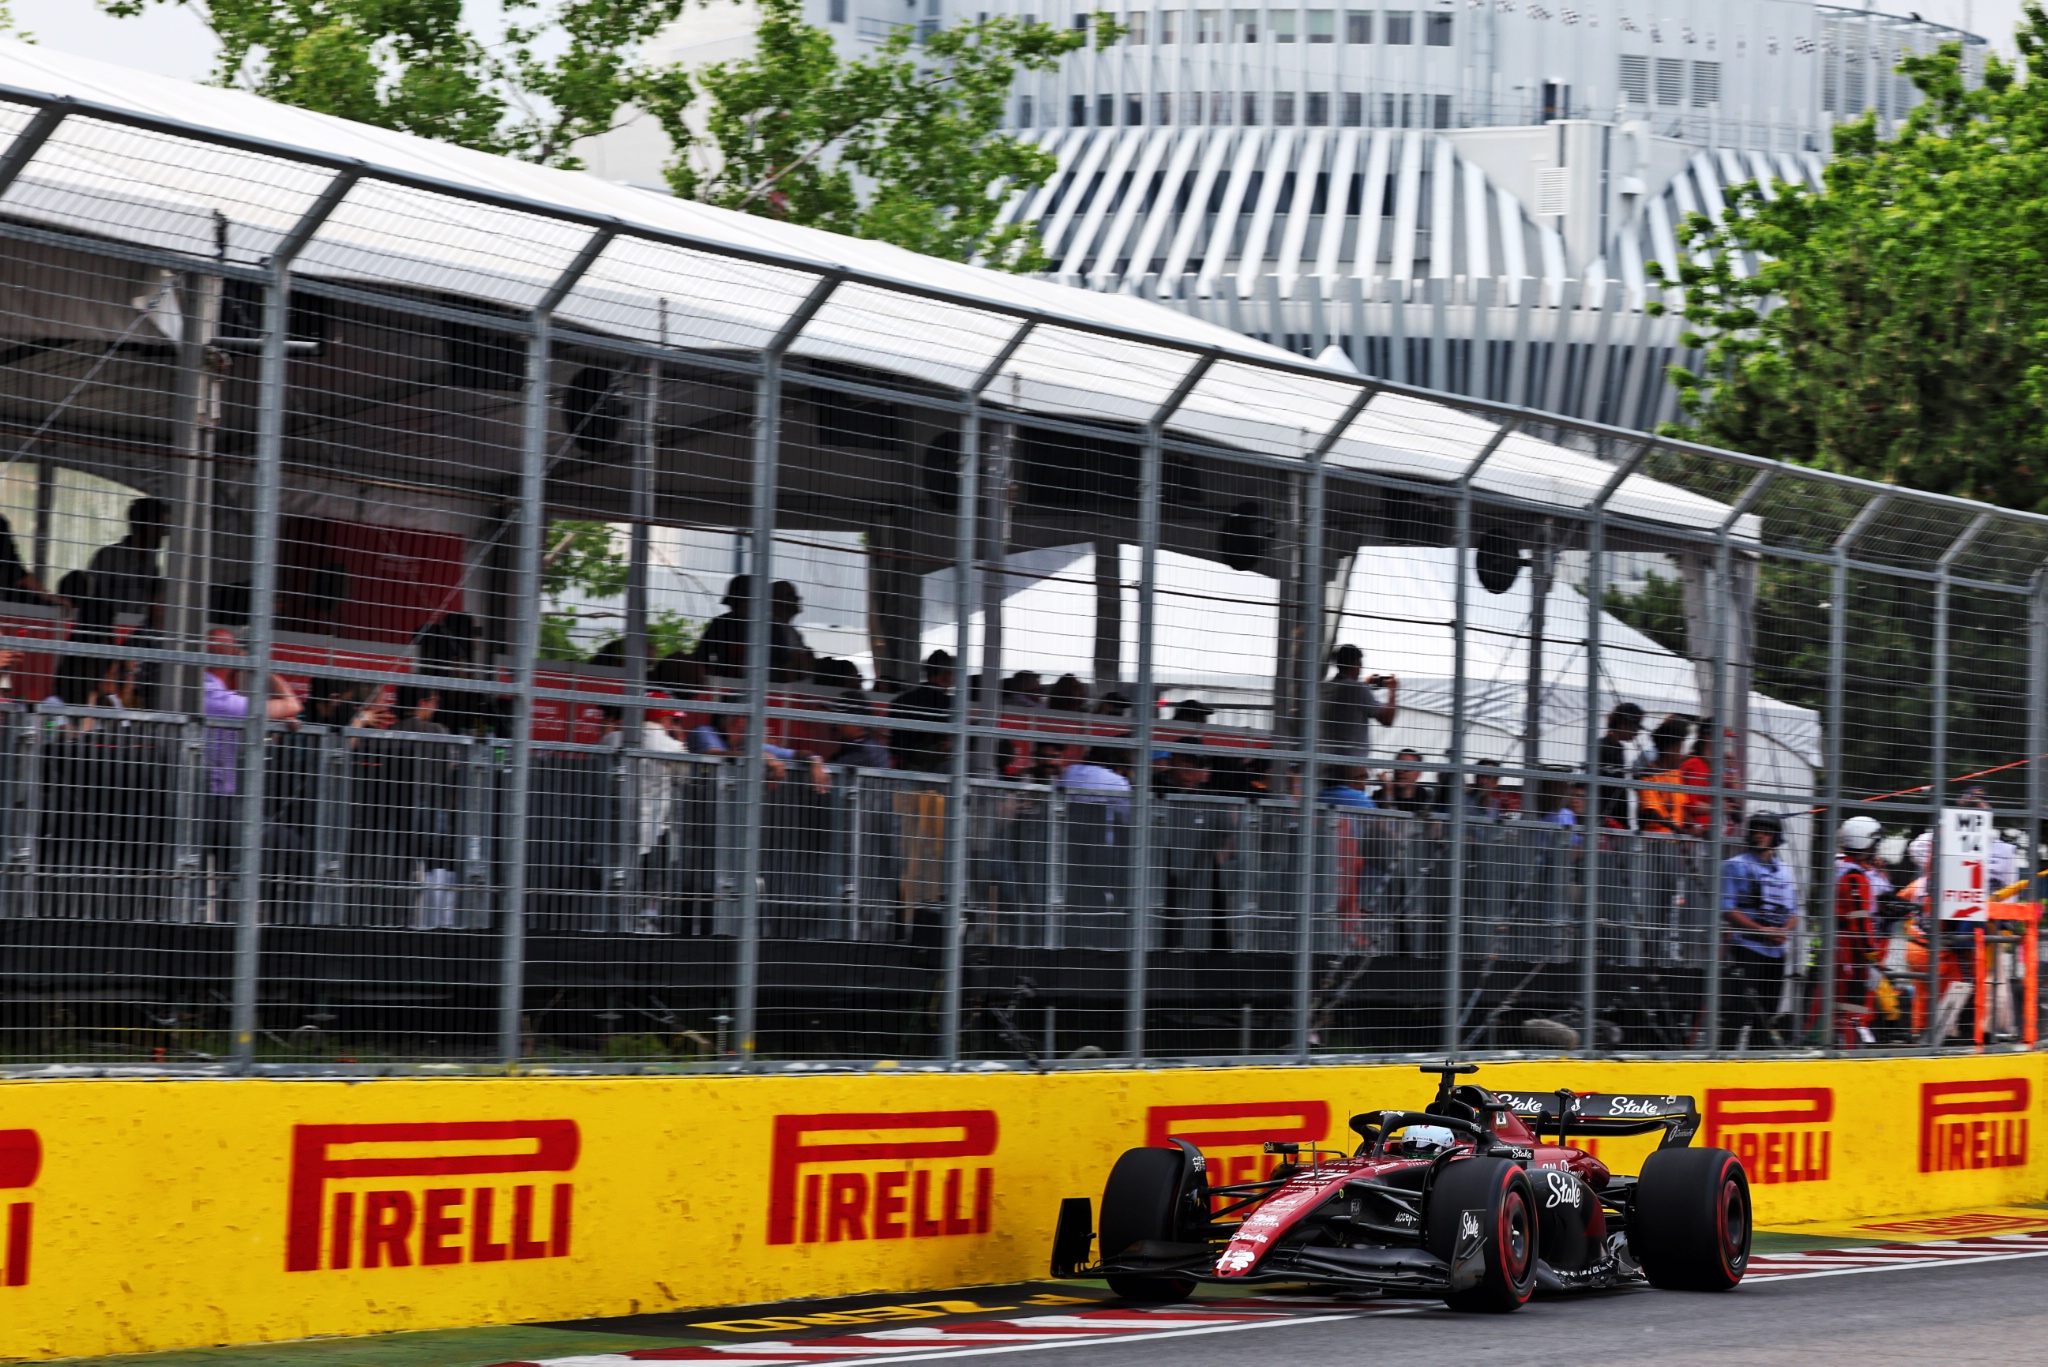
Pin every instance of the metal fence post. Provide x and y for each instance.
(533, 512)
(1937, 787)
(1452, 782)
(960, 787)
(273, 379)
(760, 609)
(1719, 623)
(1596, 571)
(1144, 706)
(1309, 668)
(1838, 640)
(2037, 728)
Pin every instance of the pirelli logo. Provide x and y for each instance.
(21, 1163)
(1965, 1126)
(1781, 1134)
(348, 1208)
(1220, 1127)
(849, 1175)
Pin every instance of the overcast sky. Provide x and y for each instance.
(169, 40)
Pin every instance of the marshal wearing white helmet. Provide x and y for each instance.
(1859, 941)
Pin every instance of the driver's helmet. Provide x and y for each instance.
(1426, 1141)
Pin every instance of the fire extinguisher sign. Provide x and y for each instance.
(1965, 856)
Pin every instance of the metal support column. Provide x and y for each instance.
(1144, 705)
(273, 393)
(1823, 900)
(1720, 598)
(1937, 772)
(2037, 730)
(1451, 783)
(960, 787)
(760, 612)
(1596, 570)
(533, 482)
(1309, 685)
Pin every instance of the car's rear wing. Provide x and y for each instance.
(1565, 1113)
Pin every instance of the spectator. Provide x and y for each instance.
(1180, 772)
(1347, 788)
(1068, 694)
(1624, 725)
(126, 576)
(416, 708)
(1024, 689)
(17, 584)
(338, 702)
(1485, 799)
(1114, 704)
(447, 646)
(1193, 712)
(1665, 813)
(1403, 789)
(1095, 778)
(225, 700)
(1351, 705)
(841, 675)
(722, 649)
(853, 736)
(932, 700)
(1568, 809)
(1760, 905)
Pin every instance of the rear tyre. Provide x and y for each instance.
(1506, 1204)
(1139, 1205)
(1690, 1224)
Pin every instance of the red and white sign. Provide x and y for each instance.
(1965, 860)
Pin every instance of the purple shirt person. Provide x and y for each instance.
(223, 699)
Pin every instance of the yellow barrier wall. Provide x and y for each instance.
(147, 1215)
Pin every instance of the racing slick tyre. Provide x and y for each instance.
(1138, 1205)
(1690, 1226)
(1500, 1192)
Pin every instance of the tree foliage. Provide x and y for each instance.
(1896, 325)
(799, 133)
(552, 75)
(904, 145)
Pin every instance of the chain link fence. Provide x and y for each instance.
(462, 614)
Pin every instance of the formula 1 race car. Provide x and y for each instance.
(1465, 1199)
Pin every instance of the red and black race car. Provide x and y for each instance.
(1479, 1198)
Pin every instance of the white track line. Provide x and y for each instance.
(1768, 1275)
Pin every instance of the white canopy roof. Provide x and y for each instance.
(179, 194)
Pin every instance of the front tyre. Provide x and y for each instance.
(1138, 1206)
(1690, 1224)
(1500, 1194)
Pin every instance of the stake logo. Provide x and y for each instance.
(21, 1162)
(1241, 1125)
(1970, 1125)
(1781, 1134)
(385, 1226)
(890, 1195)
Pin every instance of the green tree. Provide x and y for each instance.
(796, 132)
(1896, 325)
(904, 145)
(549, 77)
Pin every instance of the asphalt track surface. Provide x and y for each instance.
(1979, 1299)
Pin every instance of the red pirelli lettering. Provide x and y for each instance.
(387, 1221)
(855, 1205)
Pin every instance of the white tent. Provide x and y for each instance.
(1216, 637)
